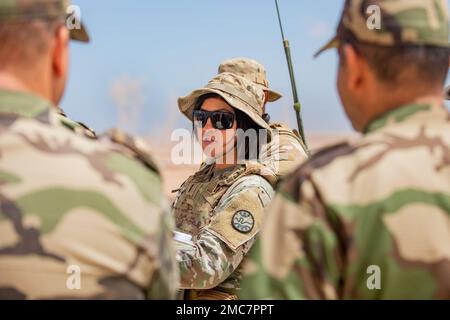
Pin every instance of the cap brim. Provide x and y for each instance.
(79, 34)
(332, 44)
(273, 95)
(186, 105)
(447, 93)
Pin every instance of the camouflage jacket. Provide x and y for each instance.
(79, 218)
(76, 126)
(285, 152)
(222, 211)
(366, 220)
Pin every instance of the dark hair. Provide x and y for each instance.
(22, 41)
(389, 63)
(243, 122)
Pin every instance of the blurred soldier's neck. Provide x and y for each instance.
(12, 82)
(389, 99)
(9, 82)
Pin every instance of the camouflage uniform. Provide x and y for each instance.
(377, 207)
(221, 209)
(79, 218)
(286, 150)
(76, 126)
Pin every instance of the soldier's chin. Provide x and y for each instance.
(213, 155)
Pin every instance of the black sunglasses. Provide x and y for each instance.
(220, 120)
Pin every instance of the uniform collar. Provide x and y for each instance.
(405, 113)
(22, 104)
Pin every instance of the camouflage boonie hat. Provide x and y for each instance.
(237, 91)
(447, 93)
(251, 70)
(22, 10)
(402, 23)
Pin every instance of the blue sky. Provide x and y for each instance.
(147, 53)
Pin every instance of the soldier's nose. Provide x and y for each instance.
(208, 125)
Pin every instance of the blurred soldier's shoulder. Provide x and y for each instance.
(285, 151)
(392, 144)
(75, 206)
(76, 126)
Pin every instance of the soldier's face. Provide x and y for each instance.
(216, 143)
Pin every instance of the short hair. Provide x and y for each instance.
(23, 41)
(389, 63)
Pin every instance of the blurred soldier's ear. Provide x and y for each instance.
(61, 51)
(353, 66)
(60, 61)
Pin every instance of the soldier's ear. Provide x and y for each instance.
(60, 61)
(355, 66)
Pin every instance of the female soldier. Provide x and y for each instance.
(221, 206)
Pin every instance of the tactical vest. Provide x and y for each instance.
(194, 206)
(200, 194)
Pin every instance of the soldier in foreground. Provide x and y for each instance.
(286, 151)
(220, 208)
(370, 219)
(79, 218)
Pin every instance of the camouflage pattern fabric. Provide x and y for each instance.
(285, 152)
(237, 91)
(403, 23)
(71, 203)
(222, 211)
(382, 203)
(75, 126)
(20, 10)
(251, 70)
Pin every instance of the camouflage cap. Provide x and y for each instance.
(238, 92)
(251, 70)
(402, 23)
(20, 10)
(447, 93)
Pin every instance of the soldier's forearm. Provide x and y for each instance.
(206, 264)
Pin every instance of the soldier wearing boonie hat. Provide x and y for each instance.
(237, 91)
(363, 219)
(220, 208)
(286, 150)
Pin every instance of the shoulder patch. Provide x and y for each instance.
(243, 221)
(240, 219)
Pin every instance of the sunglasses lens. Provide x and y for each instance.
(200, 116)
(222, 120)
